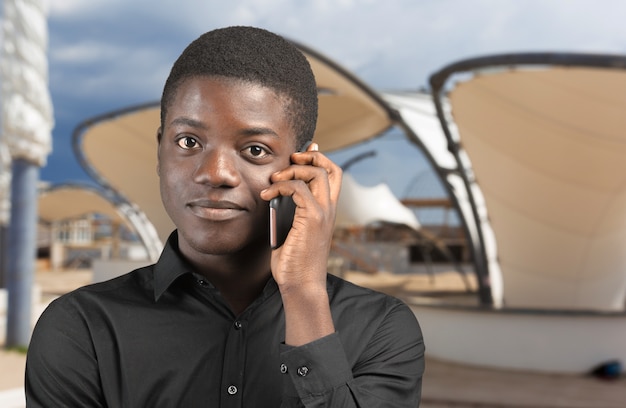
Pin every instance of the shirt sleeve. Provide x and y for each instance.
(388, 374)
(61, 367)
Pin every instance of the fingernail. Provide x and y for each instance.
(315, 147)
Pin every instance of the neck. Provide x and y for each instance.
(240, 277)
(240, 293)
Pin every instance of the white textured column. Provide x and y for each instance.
(26, 131)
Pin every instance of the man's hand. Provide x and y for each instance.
(299, 265)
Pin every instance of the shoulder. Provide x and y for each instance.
(138, 279)
(375, 307)
(69, 321)
(62, 359)
(81, 302)
(341, 290)
(372, 324)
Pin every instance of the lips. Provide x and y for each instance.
(215, 210)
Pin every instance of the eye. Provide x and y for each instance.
(187, 142)
(256, 152)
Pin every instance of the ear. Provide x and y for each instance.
(158, 166)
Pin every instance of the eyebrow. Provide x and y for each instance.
(182, 120)
(254, 131)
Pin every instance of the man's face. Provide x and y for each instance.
(221, 141)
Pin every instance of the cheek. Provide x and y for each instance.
(260, 182)
(170, 183)
(258, 177)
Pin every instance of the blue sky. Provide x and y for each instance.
(109, 54)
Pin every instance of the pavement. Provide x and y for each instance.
(445, 384)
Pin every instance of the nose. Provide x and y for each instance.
(217, 168)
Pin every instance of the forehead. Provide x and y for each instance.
(193, 84)
(250, 103)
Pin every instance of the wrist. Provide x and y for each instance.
(304, 292)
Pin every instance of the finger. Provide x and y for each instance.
(316, 159)
(316, 178)
(303, 187)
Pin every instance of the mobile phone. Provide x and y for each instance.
(282, 211)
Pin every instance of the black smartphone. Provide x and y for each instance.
(282, 211)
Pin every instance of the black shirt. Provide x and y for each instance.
(162, 336)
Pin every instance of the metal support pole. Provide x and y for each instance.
(3, 255)
(22, 247)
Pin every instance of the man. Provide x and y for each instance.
(222, 320)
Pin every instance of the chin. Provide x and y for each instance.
(227, 244)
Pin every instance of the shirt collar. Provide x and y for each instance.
(170, 266)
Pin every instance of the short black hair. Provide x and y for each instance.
(254, 55)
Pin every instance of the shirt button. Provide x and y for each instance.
(283, 368)
(237, 325)
(303, 371)
(232, 390)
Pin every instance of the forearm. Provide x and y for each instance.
(320, 375)
(307, 314)
(299, 266)
(375, 358)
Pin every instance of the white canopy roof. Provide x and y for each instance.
(547, 148)
(66, 202)
(359, 205)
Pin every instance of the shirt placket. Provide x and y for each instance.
(233, 368)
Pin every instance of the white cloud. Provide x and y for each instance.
(391, 44)
(121, 50)
(86, 52)
(71, 8)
